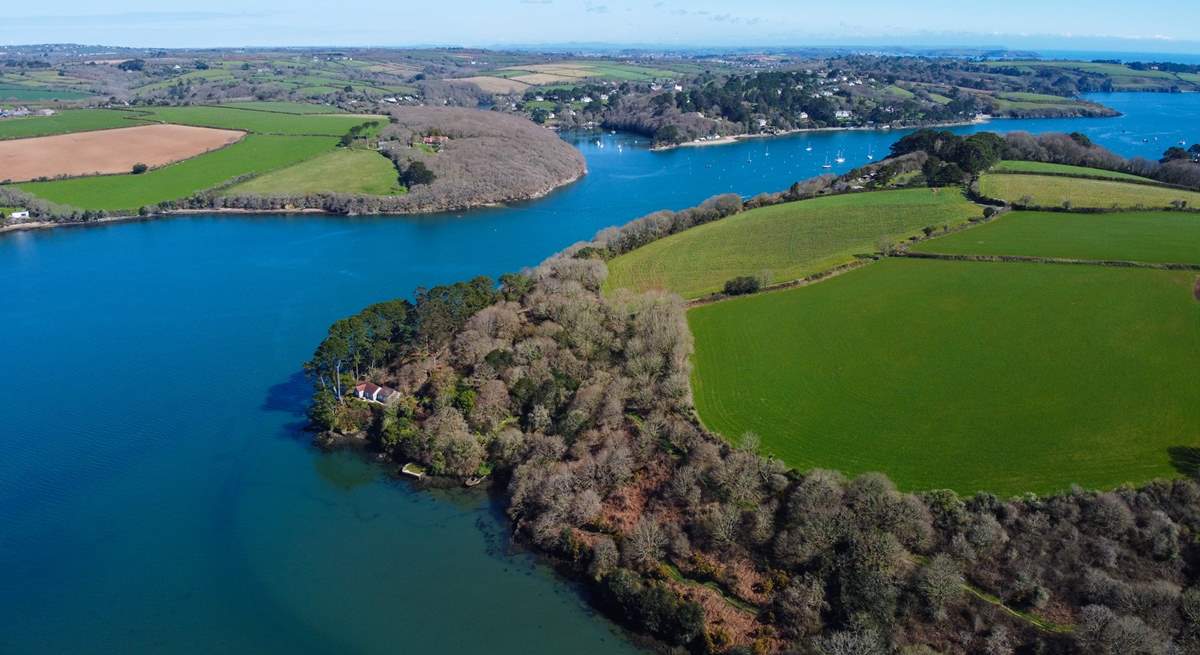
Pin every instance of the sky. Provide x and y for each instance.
(1156, 26)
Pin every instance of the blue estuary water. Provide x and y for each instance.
(157, 491)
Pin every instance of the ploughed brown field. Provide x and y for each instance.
(107, 151)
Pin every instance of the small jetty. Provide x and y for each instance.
(413, 470)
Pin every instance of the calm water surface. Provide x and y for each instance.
(156, 491)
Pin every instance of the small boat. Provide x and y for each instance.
(827, 164)
(841, 159)
(474, 480)
(870, 154)
(808, 149)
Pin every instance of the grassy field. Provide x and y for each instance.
(5, 212)
(341, 171)
(259, 122)
(282, 134)
(789, 241)
(1009, 166)
(1034, 101)
(1135, 236)
(1120, 72)
(963, 375)
(74, 120)
(284, 107)
(34, 94)
(252, 155)
(1046, 191)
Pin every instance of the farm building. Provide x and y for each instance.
(373, 392)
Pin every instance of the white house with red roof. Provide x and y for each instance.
(373, 392)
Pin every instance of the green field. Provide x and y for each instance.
(74, 120)
(1009, 166)
(970, 376)
(341, 171)
(284, 107)
(6, 211)
(259, 122)
(1172, 237)
(1047, 191)
(1113, 70)
(282, 134)
(1033, 101)
(36, 93)
(789, 241)
(252, 155)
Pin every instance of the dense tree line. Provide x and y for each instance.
(1077, 150)
(953, 158)
(579, 402)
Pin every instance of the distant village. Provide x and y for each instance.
(19, 112)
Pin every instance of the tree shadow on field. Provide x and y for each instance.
(1185, 459)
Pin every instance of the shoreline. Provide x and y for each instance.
(35, 225)
(735, 138)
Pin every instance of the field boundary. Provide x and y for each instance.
(1099, 178)
(60, 178)
(1025, 259)
(819, 276)
(273, 111)
(137, 122)
(861, 260)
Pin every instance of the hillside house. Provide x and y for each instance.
(373, 393)
(843, 115)
(19, 214)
